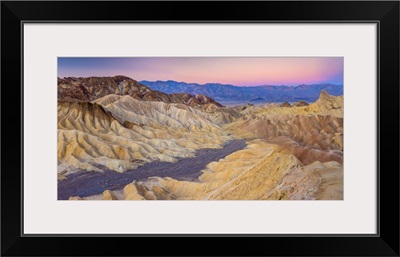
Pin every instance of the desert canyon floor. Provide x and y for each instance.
(120, 140)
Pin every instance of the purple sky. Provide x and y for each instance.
(239, 71)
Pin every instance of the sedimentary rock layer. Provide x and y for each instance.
(120, 133)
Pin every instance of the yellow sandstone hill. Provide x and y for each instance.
(254, 173)
(325, 105)
(120, 133)
(312, 133)
(293, 151)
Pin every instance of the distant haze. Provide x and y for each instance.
(228, 93)
(238, 71)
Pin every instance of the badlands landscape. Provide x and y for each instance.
(121, 140)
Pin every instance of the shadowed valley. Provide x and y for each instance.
(121, 140)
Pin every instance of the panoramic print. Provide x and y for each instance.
(200, 128)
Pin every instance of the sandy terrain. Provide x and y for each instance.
(136, 146)
(87, 183)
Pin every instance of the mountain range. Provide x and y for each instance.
(226, 92)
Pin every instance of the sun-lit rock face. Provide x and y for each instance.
(293, 152)
(109, 195)
(121, 133)
(311, 132)
(254, 173)
(325, 105)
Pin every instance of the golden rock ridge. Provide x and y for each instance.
(292, 152)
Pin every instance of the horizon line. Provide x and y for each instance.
(203, 84)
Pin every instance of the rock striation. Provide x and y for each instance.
(92, 88)
(120, 133)
(294, 151)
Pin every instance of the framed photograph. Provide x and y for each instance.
(273, 125)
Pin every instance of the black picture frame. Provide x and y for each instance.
(384, 243)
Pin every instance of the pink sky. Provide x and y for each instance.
(240, 71)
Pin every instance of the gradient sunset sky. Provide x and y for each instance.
(238, 71)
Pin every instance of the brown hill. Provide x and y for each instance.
(92, 88)
(311, 132)
(300, 103)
